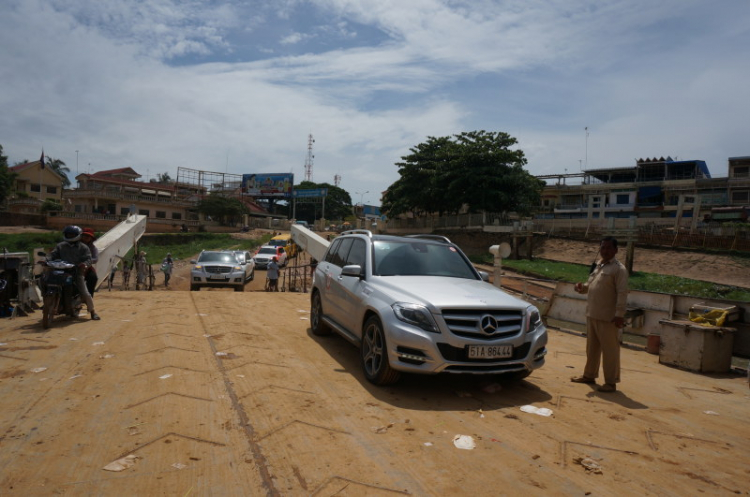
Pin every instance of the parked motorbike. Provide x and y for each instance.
(59, 291)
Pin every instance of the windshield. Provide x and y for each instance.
(277, 243)
(217, 257)
(420, 259)
(267, 250)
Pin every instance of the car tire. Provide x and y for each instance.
(374, 355)
(319, 328)
(194, 288)
(240, 288)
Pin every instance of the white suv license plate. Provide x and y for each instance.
(217, 277)
(490, 351)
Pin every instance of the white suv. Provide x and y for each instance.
(217, 268)
(416, 304)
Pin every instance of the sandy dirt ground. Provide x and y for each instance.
(226, 393)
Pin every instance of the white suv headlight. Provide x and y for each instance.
(415, 314)
(533, 319)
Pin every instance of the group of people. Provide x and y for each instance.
(78, 248)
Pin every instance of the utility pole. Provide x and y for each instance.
(587, 146)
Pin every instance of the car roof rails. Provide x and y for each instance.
(358, 232)
(437, 238)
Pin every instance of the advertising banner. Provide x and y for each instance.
(268, 185)
(314, 192)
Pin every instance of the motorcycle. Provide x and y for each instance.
(59, 291)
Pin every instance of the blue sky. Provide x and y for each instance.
(238, 86)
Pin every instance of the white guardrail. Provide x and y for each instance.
(116, 242)
(310, 242)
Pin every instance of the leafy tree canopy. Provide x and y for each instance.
(7, 177)
(477, 169)
(163, 178)
(338, 203)
(225, 210)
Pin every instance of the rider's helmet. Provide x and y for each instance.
(72, 234)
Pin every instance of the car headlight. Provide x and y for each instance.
(533, 318)
(415, 314)
(197, 266)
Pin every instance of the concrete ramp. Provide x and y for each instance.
(310, 242)
(116, 242)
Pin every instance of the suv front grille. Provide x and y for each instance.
(218, 269)
(484, 324)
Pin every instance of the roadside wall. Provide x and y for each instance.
(16, 219)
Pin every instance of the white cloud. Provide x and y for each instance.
(376, 78)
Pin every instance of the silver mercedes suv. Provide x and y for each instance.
(416, 304)
(217, 268)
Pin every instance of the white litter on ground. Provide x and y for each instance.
(121, 464)
(541, 411)
(465, 442)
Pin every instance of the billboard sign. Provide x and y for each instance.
(314, 192)
(268, 185)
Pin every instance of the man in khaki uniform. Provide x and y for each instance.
(607, 289)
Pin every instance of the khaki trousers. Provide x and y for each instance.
(602, 342)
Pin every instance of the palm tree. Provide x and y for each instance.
(60, 168)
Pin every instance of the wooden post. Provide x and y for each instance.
(529, 246)
(629, 257)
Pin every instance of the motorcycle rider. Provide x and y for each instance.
(74, 251)
(87, 237)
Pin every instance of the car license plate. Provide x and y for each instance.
(490, 351)
(217, 277)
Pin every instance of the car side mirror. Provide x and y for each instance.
(353, 270)
(485, 276)
(193, 261)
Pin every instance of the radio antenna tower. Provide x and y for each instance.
(336, 180)
(309, 160)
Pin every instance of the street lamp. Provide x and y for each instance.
(76, 161)
(362, 196)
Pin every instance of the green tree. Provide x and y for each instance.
(477, 169)
(60, 168)
(50, 205)
(225, 210)
(338, 203)
(164, 178)
(7, 177)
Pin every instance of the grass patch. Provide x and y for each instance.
(189, 245)
(650, 282)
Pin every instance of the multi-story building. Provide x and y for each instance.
(33, 185)
(653, 188)
(114, 193)
(117, 192)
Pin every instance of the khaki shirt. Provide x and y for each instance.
(607, 288)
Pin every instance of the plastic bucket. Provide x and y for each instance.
(653, 342)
